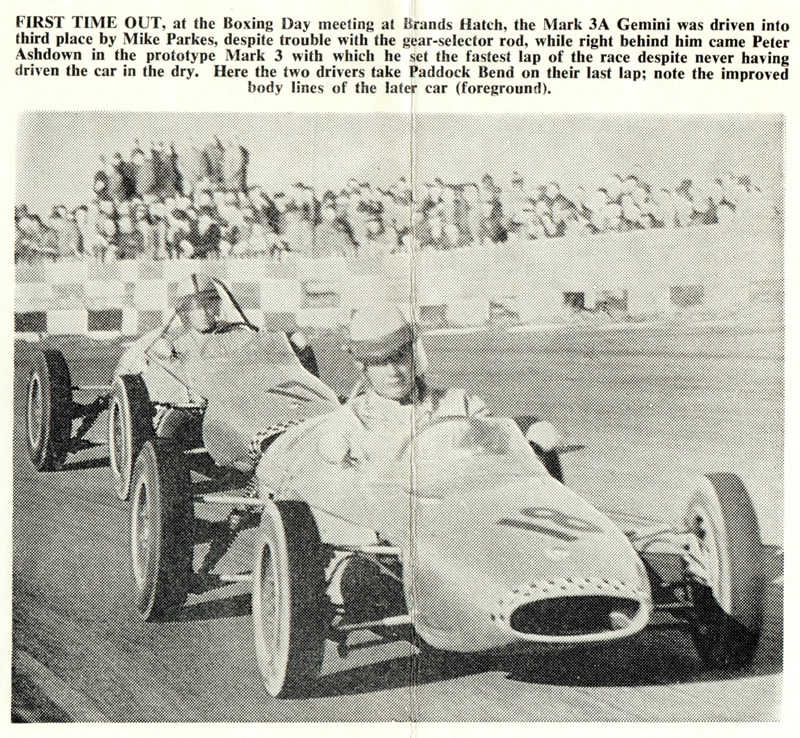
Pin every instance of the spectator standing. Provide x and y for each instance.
(214, 153)
(166, 173)
(235, 160)
(68, 236)
(100, 183)
(116, 185)
(146, 181)
(105, 241)
(493, 225)
(631, 217)
(145, 224)
(129, 240)
(330, 238)
(159, 170)
(206, 238)
(192, 169)
(179, 231)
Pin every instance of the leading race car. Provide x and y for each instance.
(459, 537)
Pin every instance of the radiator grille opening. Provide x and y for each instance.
(570, 616)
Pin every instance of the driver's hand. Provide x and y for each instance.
(340, 451)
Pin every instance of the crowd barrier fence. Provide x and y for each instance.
(715, 270)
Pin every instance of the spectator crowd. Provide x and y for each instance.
(197, 203)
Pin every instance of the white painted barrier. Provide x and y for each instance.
(654, 273)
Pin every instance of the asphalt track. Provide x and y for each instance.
(643, 408)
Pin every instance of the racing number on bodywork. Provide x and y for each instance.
(559, 524)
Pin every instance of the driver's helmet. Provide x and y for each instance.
(198, 303)
(378, 332)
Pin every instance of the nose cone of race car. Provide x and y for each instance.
(538, 565)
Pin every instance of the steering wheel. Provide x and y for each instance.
(228, 327)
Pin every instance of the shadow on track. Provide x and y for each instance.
(99, 463)
(651, 659)
(230, 607)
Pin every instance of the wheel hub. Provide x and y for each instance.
(142, 533)
(706, 547)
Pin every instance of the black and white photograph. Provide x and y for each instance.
(390, 418)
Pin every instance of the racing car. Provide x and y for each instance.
(463, 537)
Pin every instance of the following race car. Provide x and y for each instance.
(459, 537)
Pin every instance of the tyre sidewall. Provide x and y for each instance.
(288, 529)
(729, 612)
(734, 524)
(37, 450)
(128, 397)
(271, 540)
(55, 391)
(163, 583)
(706, 503)
(146, 469)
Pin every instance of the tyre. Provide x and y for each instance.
(130, 426)
(49, 411)
(729, 607)
(161, 529)
(290, 612)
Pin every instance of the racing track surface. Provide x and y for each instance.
(643, 408)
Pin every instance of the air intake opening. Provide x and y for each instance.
(570, 616)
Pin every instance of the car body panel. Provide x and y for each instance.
(481, 535)
(245, 380)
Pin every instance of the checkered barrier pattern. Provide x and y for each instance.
(646, 274)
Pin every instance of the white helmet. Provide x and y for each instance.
(379, 331)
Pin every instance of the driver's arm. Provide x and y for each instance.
(171, 347)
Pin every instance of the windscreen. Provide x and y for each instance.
(447, 452)
(229, 310)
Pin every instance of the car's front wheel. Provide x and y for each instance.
(290, 613)
(728, 599)
(130, 426)
(162, 526)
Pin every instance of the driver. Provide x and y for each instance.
(198, 303)
(392, 392)
(198, 306)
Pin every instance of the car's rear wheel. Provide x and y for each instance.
(49, 411)
(130, 426)
(290, 613)
(729, 604)
(161, 529)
